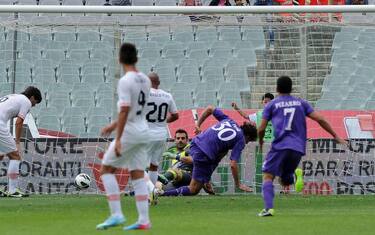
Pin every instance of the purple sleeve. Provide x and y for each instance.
(267, 112)
(307, 107)
(219, 115)
(237, 150)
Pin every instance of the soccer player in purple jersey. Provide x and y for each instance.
(288, 116)
(210, 146)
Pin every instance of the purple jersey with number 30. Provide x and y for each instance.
(288, 116)
(218, 139)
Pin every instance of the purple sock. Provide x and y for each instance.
(184, 191)
(268, 194)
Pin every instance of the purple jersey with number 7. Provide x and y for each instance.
(218, 139)
(288, 116)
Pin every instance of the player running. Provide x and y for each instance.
(159, 105)
(11, 106)
(209, 147)
(288, 116)
(128, 150)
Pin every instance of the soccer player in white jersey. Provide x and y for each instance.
(159, 105)
(128, 150)
(11, 106)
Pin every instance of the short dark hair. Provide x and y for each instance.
(128, 54)
(33, 91)
(284, 85)
(182, 131)
(249, 131)
(268, 95)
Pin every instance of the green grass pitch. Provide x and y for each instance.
(217, 215)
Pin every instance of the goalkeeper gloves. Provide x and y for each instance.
(169, 155)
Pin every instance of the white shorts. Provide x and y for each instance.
(155, 150)
(7, 143)
(133, 156)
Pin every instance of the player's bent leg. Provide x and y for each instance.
(113, 197)
(141, 197)
(153, 173)
(13, 174)
(268, 195)
(193, 189)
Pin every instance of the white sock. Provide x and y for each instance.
(13, 173)
(141, 200)
(153, 176)
(112, 191)
(150, 185)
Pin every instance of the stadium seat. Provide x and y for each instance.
(247, 55)
(98, 120)
(174, 45)
(151, 54)
(221, 53)
(205, 98)
(184, 36)
(164, 62)
(159, 34)
(191, 70)
(74, 129)
(176, 55)
(183, 95)
(189, 78)
(236, 70)
(370, 105)
(206, 36)
(352, 104)
(78, 55)
(326, 104)
(143, 3)
(229, 34)
(165, 3)
(199, 55)
(243, 83)
(188, 62)
(240, 45)
(198, 46)
(341, 38)
(50, 122)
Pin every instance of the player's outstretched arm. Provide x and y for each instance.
(242, 113)
(206, 113)
(236, 179)
(326, 126)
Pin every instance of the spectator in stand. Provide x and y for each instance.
(220, 3)
(242, 2)
(118, 3)
(357, 2)
(190, 3)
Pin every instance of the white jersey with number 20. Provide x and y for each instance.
(159, 105)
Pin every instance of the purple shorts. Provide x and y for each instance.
(203, 167)
(282, 163)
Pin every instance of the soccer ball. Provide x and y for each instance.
(82, 181)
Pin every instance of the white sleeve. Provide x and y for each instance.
(172, 106)
(124, 93)
(253, 117)
(24, 109)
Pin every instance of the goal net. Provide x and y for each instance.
(201, 60)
